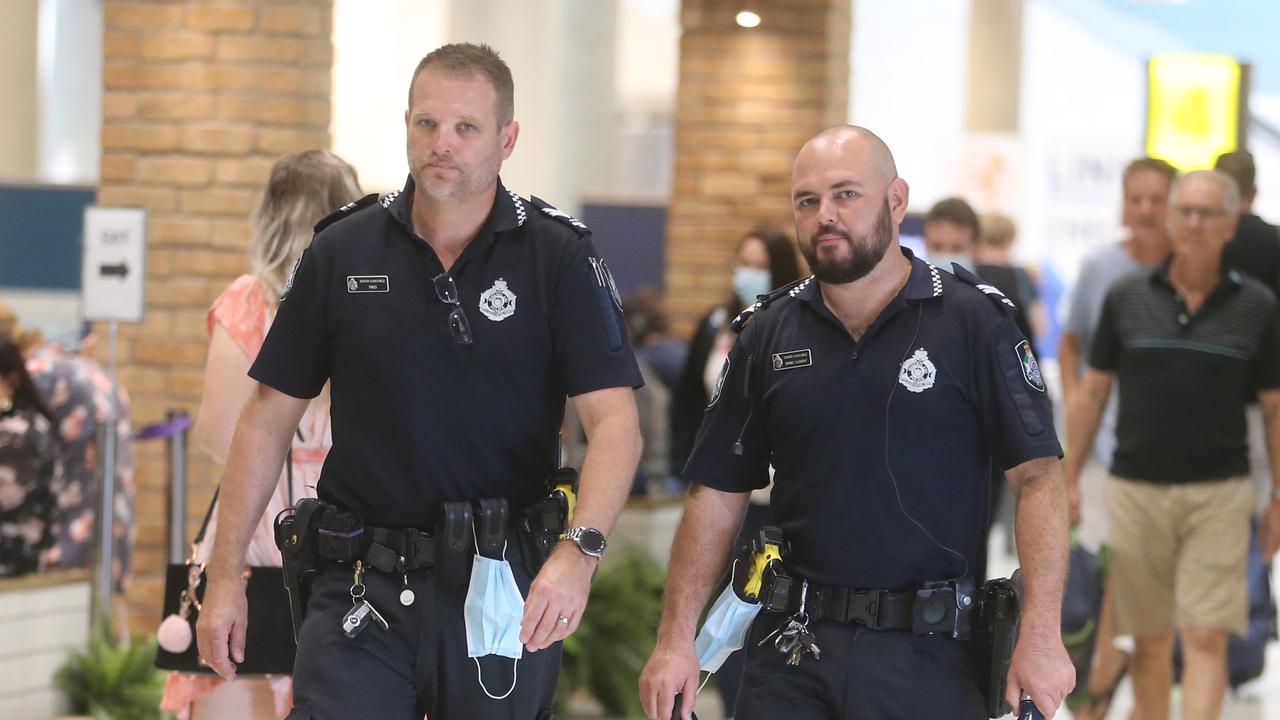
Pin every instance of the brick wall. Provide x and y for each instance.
(199, 100)
(747, 100)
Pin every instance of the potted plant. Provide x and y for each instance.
(113, 681)
(605, 655)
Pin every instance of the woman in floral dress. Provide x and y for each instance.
(29, 469)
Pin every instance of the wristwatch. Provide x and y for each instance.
(589, 540)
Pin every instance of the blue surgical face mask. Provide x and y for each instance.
(943, 261)
(724, 630)
(748, 282)
(492, 613)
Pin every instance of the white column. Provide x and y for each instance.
(562, 56)
(69, 91)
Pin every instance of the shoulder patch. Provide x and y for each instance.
(762, 302)
(560, 215)
(345, 210)
(1030, 368)
(997, 297)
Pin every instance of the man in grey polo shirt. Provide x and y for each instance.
(1186, 342)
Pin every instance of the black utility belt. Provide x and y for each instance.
(461, 528)
(935, 607)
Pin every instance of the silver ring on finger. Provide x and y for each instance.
(563, 619)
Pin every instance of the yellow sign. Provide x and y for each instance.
(1193, 109)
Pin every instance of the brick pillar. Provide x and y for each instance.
(199, 100)
(747, 100)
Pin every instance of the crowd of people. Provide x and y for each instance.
(420, 348)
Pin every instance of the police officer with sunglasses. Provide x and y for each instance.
(451, 319)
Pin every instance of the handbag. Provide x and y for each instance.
(269, 643)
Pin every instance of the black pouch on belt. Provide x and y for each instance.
(491, 527)
(995, 634)
(453, 544)
(340, 535)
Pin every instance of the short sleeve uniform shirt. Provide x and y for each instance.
(879, 444)
(419, 418)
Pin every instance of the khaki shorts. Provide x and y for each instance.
(1178, 554)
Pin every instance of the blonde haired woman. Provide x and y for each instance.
(303, 189)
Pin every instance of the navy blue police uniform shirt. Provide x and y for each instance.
(417, 418)
(941, 385)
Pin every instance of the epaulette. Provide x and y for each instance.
(763, 301)
(345, 210)
(997, 297)
(560, 215)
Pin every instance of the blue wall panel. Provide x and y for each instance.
(633, 239)
(41, 232)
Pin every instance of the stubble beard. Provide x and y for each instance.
(466, 184)
(864, 253)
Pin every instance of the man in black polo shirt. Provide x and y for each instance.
(1255, 247)
(451, 320)
(881, 390)
(1188, 343)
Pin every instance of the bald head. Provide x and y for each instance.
(853, 144)
(848, 201)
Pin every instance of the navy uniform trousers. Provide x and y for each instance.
(863, 675)
(420, 665)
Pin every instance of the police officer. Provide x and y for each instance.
(880, 390)
(451, 320)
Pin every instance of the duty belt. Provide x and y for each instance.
(394, 551)
(874, 609)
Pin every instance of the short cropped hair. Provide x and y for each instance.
(1149, 164)
(465, 60)
(957, 211)
(1239, 165)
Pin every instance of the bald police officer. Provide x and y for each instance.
(451, 319)
(880, 390)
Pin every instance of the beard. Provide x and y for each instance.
(467, 181)
(864, 253)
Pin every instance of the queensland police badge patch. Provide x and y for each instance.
(715, 393)
(918, 373)
(498, 303)
(1030, 368)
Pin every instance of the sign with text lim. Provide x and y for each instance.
(114, 272)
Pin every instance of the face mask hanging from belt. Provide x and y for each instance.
(725, 629)
(492, 613)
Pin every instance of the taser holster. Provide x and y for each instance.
(300, 560)
(543, 521)
(759, 575)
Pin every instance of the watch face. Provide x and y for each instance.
(591, 541)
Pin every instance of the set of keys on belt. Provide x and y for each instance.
(362, 613)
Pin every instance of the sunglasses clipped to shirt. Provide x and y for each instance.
(459, 325)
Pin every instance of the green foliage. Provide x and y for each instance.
(113, 681)
(616, 636)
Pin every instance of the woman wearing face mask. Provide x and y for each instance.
(766, 260)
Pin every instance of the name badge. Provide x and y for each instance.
(792, 359)
(368, 284)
